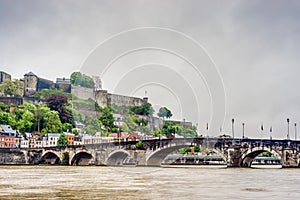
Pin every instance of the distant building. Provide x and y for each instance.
(52, 139)
(63, 84)
(32, 84)
(77, 140)
(31, 140)
(70, 138)
(24, 142)
(4, 76)
(9, 138)
(96, 139)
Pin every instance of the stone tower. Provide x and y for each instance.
(30, 84)
(98, 83)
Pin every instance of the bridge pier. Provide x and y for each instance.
(290, 158)
(234, 156)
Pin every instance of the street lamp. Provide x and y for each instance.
(262, 131)
(295, 131)
(232, 126)
(183, 128)
(288, 130)
(243, 124)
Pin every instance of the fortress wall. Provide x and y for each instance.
(104, 98)
(101, 98)
(12, 100)
(82, 92)
(124, 100)
(66, 87)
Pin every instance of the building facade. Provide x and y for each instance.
(4, 76)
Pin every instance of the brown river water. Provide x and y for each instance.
(61, 182)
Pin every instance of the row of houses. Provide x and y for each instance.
(10, 138)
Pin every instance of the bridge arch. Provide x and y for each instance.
(50, 157)
(117, 157)
(249, 155)
(81, 158)
(156, 157)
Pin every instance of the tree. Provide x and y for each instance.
(4, 107)
(7, 119)
(83, 80)
(207, 151)
(197, 149)
(10, 87)
(57, 102)
(62, 141)
(52, 123)
(107, 119)
(92, 125)
(67, 127)
(145, 109)
(139, 145)
(25, 124)
(129, 125)
(164, 113)
(44, 93)
(170, 128)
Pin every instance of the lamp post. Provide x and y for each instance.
(206, 135)
(262, 131)
(288, 128)
(271, 133)
(295, 131)
(243, 124)
(232, 127)
(183, 128)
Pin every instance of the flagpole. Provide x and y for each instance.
(262, 128)
(207, 135)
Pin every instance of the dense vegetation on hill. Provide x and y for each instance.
(61, 109)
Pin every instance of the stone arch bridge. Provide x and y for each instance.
(236, 152)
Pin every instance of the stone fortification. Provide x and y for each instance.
(103, 98)
(12, 100)
(83, 92)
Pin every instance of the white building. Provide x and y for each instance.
(96, 139)
(42, 142)
(24, 142)
(52, 139)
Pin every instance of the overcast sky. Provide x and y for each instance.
(253, 45)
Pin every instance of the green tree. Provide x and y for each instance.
(164, 113)
(26, 122)
(207, 151)
(145, 109)
(139, 144)
(63, 141)
(190, 131)
(83, 80)
(7, 119)
(44, 93)
(266, 154)
(129, 125)
(4, 107)
(75, 132)
(67, 127)
(52, 123)
(107, 119)
(197, 149)
(10, 87)
(171, 128)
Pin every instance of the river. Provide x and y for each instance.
(61, 182)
